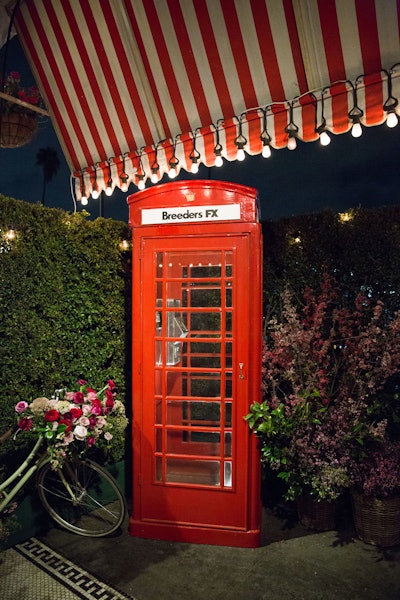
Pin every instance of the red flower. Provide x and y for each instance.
(25, 423)
(78, 397)
(82, 381)
(111, 384)
(52, 415)
(76, 412)
(110, 399)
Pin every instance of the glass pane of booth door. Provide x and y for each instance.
(193, 375)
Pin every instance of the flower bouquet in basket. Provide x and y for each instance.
(74, 422)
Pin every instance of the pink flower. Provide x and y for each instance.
(108, 436)
(82, 381)
(21, 406)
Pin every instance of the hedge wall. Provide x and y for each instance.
(64, 298)
(360, 249)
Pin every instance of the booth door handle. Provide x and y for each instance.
(242, 374)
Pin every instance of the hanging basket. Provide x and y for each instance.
(316, 515)
(377, 522)
(16, 129)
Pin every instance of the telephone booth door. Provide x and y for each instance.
(194, 460)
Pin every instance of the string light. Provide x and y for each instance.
(84, 199)
(265, 137)
(95, 191)
(10, 234)
(390, 103)
(109, 189)
(240, 141)
(155, 167)
(324, 138)
(356, 113)
(218, 148)
(173, 163)
(124, 177)
(140, 172)
(291, 129)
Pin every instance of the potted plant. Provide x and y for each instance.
(323, 366)
(18, 122)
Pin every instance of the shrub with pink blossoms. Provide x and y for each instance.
(324, 368)
(74, 422)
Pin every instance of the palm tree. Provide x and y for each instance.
(47, 158)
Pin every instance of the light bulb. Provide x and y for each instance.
(10, 235)
(356, 130)
(141, 184)
(194, 168)
(292, 144)
(324, 139)
(218, 161)
(124, 186)
(172, 173)
(84, 201)
(154, 178)
(266, 151)
(240, 154)
(109, 191)
(95, 194)
(392, 119)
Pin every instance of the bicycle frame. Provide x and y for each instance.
(24, 472)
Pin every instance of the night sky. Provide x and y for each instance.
(347, 173)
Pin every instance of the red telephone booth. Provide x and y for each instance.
(197, 331)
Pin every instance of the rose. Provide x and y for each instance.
(108, 436)
(80, 432)
(109, 399)
(52, 415)
(111, 384)
(21, 406)
(76, 412)
(91, 441)
(84, 421)
(82, 381)
(96, 408)
(78, 397)
(25, 423)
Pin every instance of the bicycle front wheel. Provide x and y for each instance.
(82, 497)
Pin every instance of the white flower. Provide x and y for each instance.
(80, 432)
(108, 436)
(84, 421)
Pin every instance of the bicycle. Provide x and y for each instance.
(81, 496)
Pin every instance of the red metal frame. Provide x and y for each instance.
(196, 473)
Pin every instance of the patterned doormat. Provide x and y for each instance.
(32, 570)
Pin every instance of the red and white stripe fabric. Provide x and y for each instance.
(132, 83)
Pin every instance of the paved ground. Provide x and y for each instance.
(292, 563)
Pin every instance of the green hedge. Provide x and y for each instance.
(65, 303)
(362, 254)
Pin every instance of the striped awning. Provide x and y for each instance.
(136, 87)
